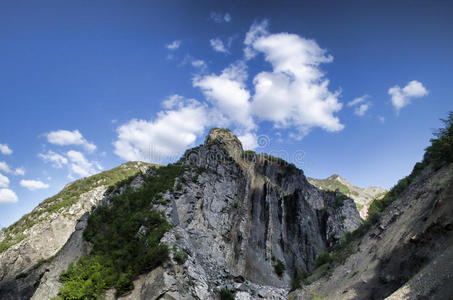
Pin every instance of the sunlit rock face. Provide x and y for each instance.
(236, 214)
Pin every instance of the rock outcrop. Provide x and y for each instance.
(236, 215)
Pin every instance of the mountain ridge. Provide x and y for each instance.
(363, 197)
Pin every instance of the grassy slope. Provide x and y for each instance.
(68, 196)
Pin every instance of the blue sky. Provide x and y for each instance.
(351, 87)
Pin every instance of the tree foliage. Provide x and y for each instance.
(125, 240)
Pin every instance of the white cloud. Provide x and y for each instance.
(169, 135)
(227, 17)
(7, 196)
(295, 94)
(33, 184)
(403, 96)
(5, 150)
(174, 45)
(218, 45)
(219, 17)
(4, 181)
(257, 30)
(357, 100)
(228, 93)
(249, 141)
(80, 165)
(66, 137)
(56, 159)
(361, 107)
(4, 167)
(19, 171)
(381, 119)
(198, 63)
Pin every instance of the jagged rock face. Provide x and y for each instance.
(235, 215)
(238, 215)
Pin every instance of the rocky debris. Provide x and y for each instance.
(407, 254)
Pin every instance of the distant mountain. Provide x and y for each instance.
(361, 196)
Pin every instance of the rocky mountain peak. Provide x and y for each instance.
(227, 139)
(241, 223)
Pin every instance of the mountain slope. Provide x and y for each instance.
(41, 233)
(413, 239)
(241, 222)
(404, 249)
(361, 196)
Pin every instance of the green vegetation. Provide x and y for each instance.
(179, 256)
(299, 280)
(280, 161)
(279, 268)
(331, 184)
(441, 149)
(339, 199)
(226, 294)
(125, 240)
(322, 258)
(65, 199)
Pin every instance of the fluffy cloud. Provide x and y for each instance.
(248, 140)
(4, 181)
(7, 196)
(5, 150)
(4, 167)
(55, 159)
(66, 137)
(361, 107)
(295, 94)
(80, 165)
(218, 45)
(174, 129)
(403, 96)
(228, 93)
(220, 18)
(19, 171)
(174, 45)
(33, 184)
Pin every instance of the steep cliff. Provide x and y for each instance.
(241, 223)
